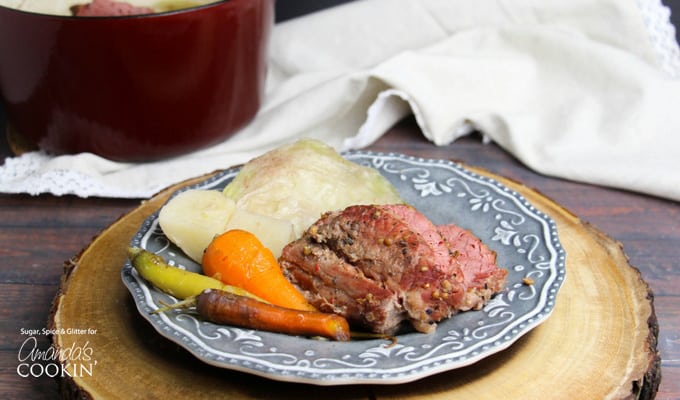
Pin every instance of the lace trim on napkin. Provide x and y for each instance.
(661, 31)
(26, 174)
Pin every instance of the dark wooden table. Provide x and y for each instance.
(39, 233)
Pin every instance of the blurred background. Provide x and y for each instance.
(288, 9)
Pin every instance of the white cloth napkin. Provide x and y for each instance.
(586, 90)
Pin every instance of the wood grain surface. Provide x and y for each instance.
(39, 233)
(603, 321)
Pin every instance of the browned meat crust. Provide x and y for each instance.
(381, 265)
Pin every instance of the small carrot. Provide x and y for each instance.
(174, 281)
(227, 308)
(238, 258)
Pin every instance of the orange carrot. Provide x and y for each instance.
(238, 258)
(223, 307)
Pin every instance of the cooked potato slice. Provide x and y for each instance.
(192, 218)
(274, 233)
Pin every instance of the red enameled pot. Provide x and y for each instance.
(134, 88)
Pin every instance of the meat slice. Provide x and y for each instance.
(382, 265)
(103, 8)
(483, 278)
(333, 285)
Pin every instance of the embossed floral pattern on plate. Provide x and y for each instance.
(524, 238)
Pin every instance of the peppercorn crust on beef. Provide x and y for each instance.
(382, 266)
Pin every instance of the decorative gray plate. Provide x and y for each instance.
(524, 238)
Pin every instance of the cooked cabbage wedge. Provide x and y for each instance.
(172, 5)
(300, 181)
(275, 196)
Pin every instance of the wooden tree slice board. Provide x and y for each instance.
(600, 341)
